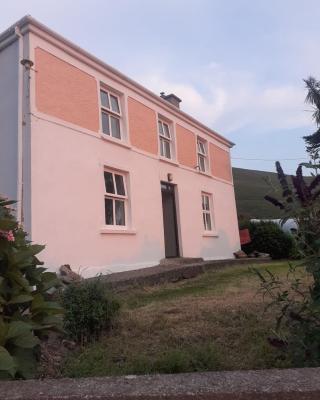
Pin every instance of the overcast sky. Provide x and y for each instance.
(238, 65)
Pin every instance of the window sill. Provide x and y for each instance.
(119, 142)
(169, 161)
(205, 174)
(210, 234)
(118, 231)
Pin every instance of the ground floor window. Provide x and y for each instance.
(207, 211)
(115, 198)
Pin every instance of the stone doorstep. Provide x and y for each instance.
(286, 384)
(172, 272)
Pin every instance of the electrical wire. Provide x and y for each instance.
(268, 159)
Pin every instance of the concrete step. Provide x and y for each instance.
(180, 261)
(172, 273)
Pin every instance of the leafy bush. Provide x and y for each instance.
(26, 312)
(297, 332)
(268, 237)
(88, 310)
(296, 300)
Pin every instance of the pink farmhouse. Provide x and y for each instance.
(107, 174)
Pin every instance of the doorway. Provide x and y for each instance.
(169, 220)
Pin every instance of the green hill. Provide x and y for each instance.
(250, 188)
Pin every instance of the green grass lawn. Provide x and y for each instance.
(213, 322)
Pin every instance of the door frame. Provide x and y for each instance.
(176, 227)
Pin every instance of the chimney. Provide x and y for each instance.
(171, 98)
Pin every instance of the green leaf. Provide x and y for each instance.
(310, 165)
(18, 278)
(18, 328)
(49, 280)
(22, 298)
(52, 320)
(5, 203)
(48, 306)
(4, 327)
(37, 302)
(27, 341)
(28, 252)
(26, 362)
(7, 224)
(7, 362)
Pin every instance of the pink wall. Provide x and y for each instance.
(67, 163)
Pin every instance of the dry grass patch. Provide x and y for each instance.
(213, 322)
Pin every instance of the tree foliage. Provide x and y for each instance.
(26, 312)
(313, 140)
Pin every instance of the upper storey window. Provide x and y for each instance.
(110, 114)
(202, 155)
(165, 138)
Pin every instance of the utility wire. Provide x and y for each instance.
(267, 159)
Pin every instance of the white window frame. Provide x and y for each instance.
(116, 196)
(111, 113)
(165, 139)
(202, 154)
(207, 212)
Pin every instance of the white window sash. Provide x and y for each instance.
(115, 196)
(163, 149)
(109, 110)
(204, 159)
(200, 145)
(206, 199)
(162, 134)
(206, 226)
(165, 139)
(202, 155)
(125, 201)
(113, 174)
(110, 114)
(119, 197)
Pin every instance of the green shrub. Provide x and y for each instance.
(268, 237)
(26, 312)
(98, 360)
(88, 310)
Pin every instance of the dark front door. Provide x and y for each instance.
(169, 220)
